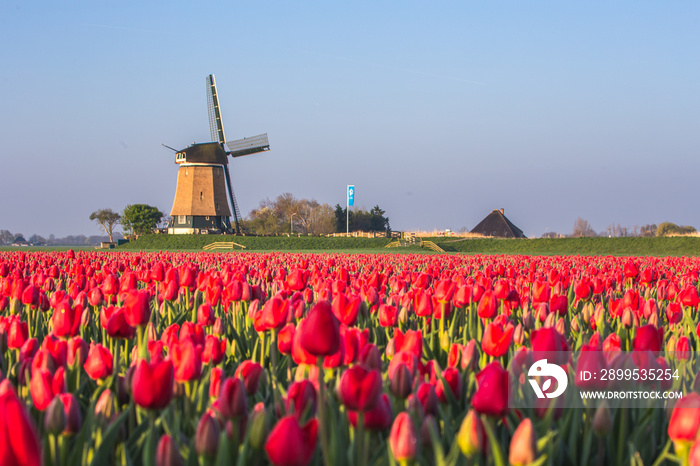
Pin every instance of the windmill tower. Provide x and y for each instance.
(203, 179)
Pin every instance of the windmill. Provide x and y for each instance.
(203, 179)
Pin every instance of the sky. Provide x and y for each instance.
(438, 112)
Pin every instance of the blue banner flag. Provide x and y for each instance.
(351, 195)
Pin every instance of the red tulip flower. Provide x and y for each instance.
(66, 319)
(99, 363)
(648, 338)
(320, 334)
(487, 305)
(152, 384)
(359, 388)
(684, 425)
(19, 442)
(288, 444)
(187, 360)
(138, 308)
(403, 439)
(492, 391)
(497, 338)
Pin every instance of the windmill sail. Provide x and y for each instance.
(246, 146)
(216, 126)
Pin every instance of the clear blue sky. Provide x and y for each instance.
(437, 112)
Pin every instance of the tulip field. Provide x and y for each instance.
(127, 358)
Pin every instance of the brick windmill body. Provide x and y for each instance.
(203, 179)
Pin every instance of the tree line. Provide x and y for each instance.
(583, 229)
(287, 214)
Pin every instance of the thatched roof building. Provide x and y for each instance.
(496, 224)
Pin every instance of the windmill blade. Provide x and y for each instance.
(216, 126)
(248, 146)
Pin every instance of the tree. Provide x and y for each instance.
(140, 218)
(668, 229)
(37, 240)
(648, 230)
(107, 219)
(582, 228)
(6, 237)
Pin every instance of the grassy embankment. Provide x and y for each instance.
(666, 246)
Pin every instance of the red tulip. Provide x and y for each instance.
(99, 362)
(684, 425)
(167, 453)
(250, 373)
(487, 305)
(288, 444)
(17, 333)
(359, 388)
(403, 439)
(523, 445)
(274, 314)
(497, 338)
(454, 382)
(19, 442)
(138, 308)
(300, 396)
(187, 360)
(152, 384)
(320, 334)
(388, 315)
(492, 391)
(550, 341)
(41, 389)
(233, 401)
(214, 350)
(377, 419)
(297, 280)
(648, 338)
(66, 319)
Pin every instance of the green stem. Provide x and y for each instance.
(325, 448)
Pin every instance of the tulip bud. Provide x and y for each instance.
(85, 317)
(233, 401)
(602, 423)
(218, 327)
(167, 453)
(519, 335)
(575, 324)
(560, 326)
(206, 439)
(470, 356)
(151, 334)
(654, 320)
(671, 347)
(55, 418)
(402, 439)
(429, 424)
(551, 320)
(72, 412)
(528, 320)
(471, 436)
(445, 341)
(627, 318)
(106, 406)
(401, 382)
(258, 426)
(523, 445)
(390, 349)
(370, 357)
(403, 315)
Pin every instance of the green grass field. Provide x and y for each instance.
(666, 246)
